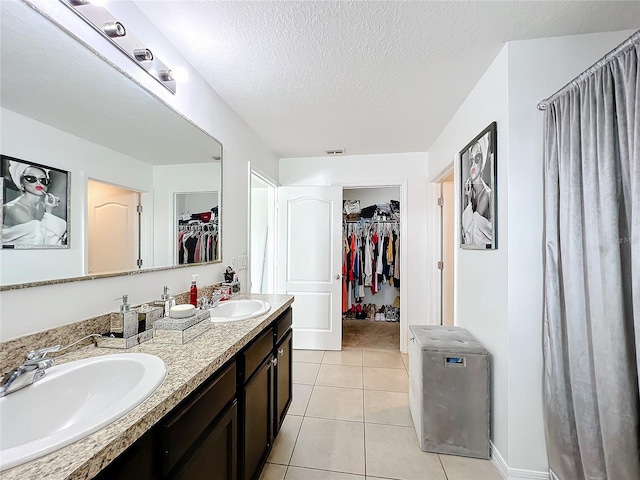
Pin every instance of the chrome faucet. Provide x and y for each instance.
(29, 371)
(215, 299)
(33, 368)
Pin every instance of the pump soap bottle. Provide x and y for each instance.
(126, 321)
(166, 302)
(193, 292)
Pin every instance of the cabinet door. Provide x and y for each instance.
(216, 456)
(136, 463)
(193, 418)
(284, 388)
(258, 420)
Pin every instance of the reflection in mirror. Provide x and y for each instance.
(197, 227)
(113, 226)
(65, 107)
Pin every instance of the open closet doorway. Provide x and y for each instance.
(262, 235)
(371, 267)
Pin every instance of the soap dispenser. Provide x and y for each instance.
(125, 322)
(166, 302)
(193, 292)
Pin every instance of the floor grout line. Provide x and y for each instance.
(364, 424)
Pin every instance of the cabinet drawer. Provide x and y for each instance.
(283, 324)
(183, 428)
(257, 352)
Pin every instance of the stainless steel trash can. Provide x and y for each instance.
(449, 390)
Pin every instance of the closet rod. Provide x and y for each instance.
(367, 220)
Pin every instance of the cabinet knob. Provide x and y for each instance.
(274, 361)
(281, 352)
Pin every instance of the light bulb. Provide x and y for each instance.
(143, 54)
(166, 75)
(114, 29)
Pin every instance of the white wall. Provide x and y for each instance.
(481, 276)
(510, 305)
(199, 102)
(30, 140)
(407, 169)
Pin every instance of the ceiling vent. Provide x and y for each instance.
(335, 151)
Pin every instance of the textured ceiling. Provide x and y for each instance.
(367, 76)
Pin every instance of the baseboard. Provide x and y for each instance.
(513, 473)
(498, 461)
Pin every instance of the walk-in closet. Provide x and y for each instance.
(197, 227)
(371, 274)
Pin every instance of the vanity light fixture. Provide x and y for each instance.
(114, 29)
(166, 75)
(143, 54)
(110, 28)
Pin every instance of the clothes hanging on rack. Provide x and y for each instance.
(371, 254)
(197, 242)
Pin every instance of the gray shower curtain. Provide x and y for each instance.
(592, 273)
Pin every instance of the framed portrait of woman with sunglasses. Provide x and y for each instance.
(478, 222)
(35, 205)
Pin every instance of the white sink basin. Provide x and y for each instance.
(232, 310)
(72, 401)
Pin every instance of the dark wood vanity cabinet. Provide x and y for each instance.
(198, 438)
(225, 429)
(257, 426)
(283, 369)
(136, 463)
(265, 393)
(215, 454)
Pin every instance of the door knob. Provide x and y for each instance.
(337, 277)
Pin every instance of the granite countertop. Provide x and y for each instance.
(188, 366)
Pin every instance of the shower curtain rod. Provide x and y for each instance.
(627, 44)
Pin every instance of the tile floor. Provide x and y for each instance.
(350, 420)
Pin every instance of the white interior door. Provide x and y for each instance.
(448, 249)
(112, 228)
(309, 263)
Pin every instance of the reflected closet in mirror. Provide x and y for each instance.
(196, 227)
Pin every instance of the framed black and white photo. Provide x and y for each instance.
(478, 222)
(35, 205)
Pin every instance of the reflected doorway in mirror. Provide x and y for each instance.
(113, 227)
(35, 205)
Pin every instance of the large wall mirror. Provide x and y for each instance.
(125, 154)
